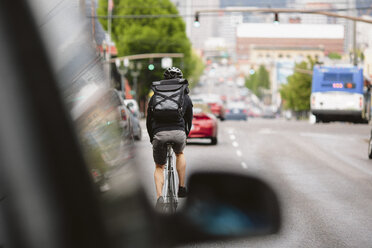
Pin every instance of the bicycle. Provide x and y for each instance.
(169, 190)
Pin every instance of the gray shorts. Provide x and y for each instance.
(178, 137)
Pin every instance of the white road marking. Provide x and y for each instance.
(244, 165)
(232, 137)
(235, 144)
(325, 136)
(265, 131)
(230, 130)
(239, 153)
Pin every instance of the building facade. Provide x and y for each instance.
(266, 54)
(208, 27)
(329, 38)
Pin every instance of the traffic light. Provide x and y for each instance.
(276, 18)
(196, 21)
(151, 67)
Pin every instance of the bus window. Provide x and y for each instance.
(346, 77)
(330, 77)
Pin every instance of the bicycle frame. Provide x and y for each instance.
(170, 183)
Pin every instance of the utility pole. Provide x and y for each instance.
(122, 70)
(93, 11)
(135, 71)
(109, 9)
(355, 53)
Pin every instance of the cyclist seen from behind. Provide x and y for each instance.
(169, 119)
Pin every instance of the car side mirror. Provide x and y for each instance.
(130, 105)
(223, 206)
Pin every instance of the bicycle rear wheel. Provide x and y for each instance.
(172, 200)
(170, 188)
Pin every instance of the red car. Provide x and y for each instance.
(214, 102)
(204, 125)
(217, 109)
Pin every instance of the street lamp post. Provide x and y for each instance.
(135, 71)
(123, 70)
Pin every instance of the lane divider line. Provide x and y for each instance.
(239, 153)
(232, 137)
(235, 144)
(230, 130)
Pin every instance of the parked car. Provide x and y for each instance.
(236, 111)
(204, 124)
(137, 130)
(133, 106)
(105, 128)
(127, 120)
(134, 115)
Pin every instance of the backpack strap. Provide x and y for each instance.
(165, 97)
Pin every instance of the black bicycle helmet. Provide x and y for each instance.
(172, 72)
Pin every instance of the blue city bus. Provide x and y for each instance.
(338, 94)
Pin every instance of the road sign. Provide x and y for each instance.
(166, 62)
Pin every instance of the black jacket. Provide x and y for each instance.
(184, 124)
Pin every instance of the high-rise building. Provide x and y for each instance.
(227, 30)
(251, 36)
(253, 17)
(364, 7)
(346, 7)
(208, 27)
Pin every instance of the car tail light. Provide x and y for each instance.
(227, 111)
(201, 117)
(360, 102)
(244, 111)
(313, 100)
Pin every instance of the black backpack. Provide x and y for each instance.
(168, 99)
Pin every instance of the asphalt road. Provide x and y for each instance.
(321, 173)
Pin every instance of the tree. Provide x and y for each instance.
(263, 78)
(196, 67)
(296, 93)
(251, 83)
(150, 35)
(258, 81)
(334, 56)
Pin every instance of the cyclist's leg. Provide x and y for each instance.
(181, 168)
(159, 179)
(160, 155)
(179, 146)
